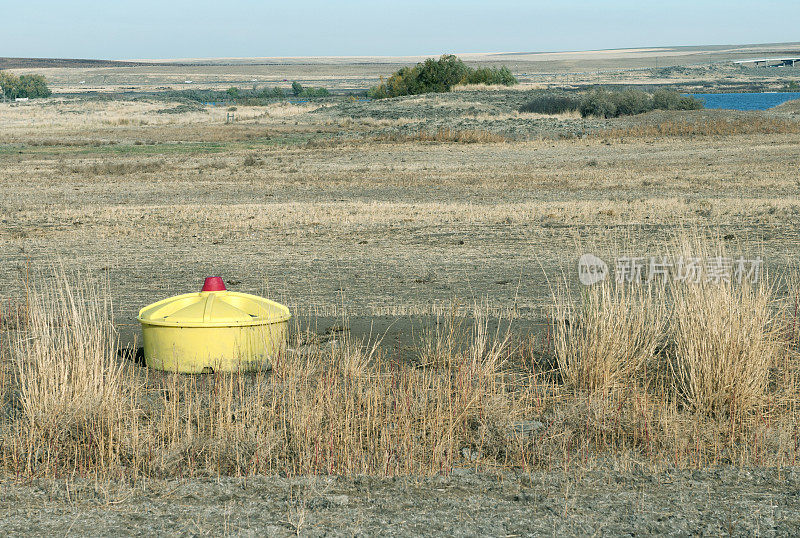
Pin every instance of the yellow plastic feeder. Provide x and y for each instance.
(215, 330)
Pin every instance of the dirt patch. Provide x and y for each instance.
(607, 502)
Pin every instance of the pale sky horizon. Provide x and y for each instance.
(147, 29)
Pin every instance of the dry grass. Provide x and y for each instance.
(459, 136)
(69, 383)
(117, 168)
(604, 343)
(719, 343)
(336, 409)
(726, 343)
(469, 397)
(727, 340)
(715, 127)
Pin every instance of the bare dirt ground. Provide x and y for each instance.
(728, 502)
(306, 205)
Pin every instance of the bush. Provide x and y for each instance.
(297, 88)
(605, 104)
(610, 104)
(551, 104)
(30, 86)
(672, 100)
(632, 102)
(314, 92)
(598, 103)
(490, 76)
(438, 76)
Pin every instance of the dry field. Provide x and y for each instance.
(437, 215)
(693, 67)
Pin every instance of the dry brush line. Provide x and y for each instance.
(445, 135)
(717, 127)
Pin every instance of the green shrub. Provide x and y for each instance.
(664, 99)
(551, 104)
(598, 102)
(314, 92)
(490, 76)
(278, 92)
(632, 102)
(233, 92)
(438, 76)
(30, 86)
(605, 104)
(297, 88)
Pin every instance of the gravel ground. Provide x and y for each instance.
(759, 502)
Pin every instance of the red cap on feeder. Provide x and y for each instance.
(214, 283)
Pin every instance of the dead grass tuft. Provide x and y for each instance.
(604, 343)
(69, 383)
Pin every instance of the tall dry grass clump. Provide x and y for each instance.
(604, 342)
(717, 338)
(69, 383)
(726, 339)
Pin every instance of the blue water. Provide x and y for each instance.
(745, 101)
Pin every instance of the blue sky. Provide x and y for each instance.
(121, 29)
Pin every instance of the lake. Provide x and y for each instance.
(745, 101)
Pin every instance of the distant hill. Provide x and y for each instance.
(27, 63)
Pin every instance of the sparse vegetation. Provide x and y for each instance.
(460, 136)
(251, 97)
(703, 127)
(552, 104)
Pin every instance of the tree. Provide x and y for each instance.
(297, 88)
(31, 86)
(438, 76)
